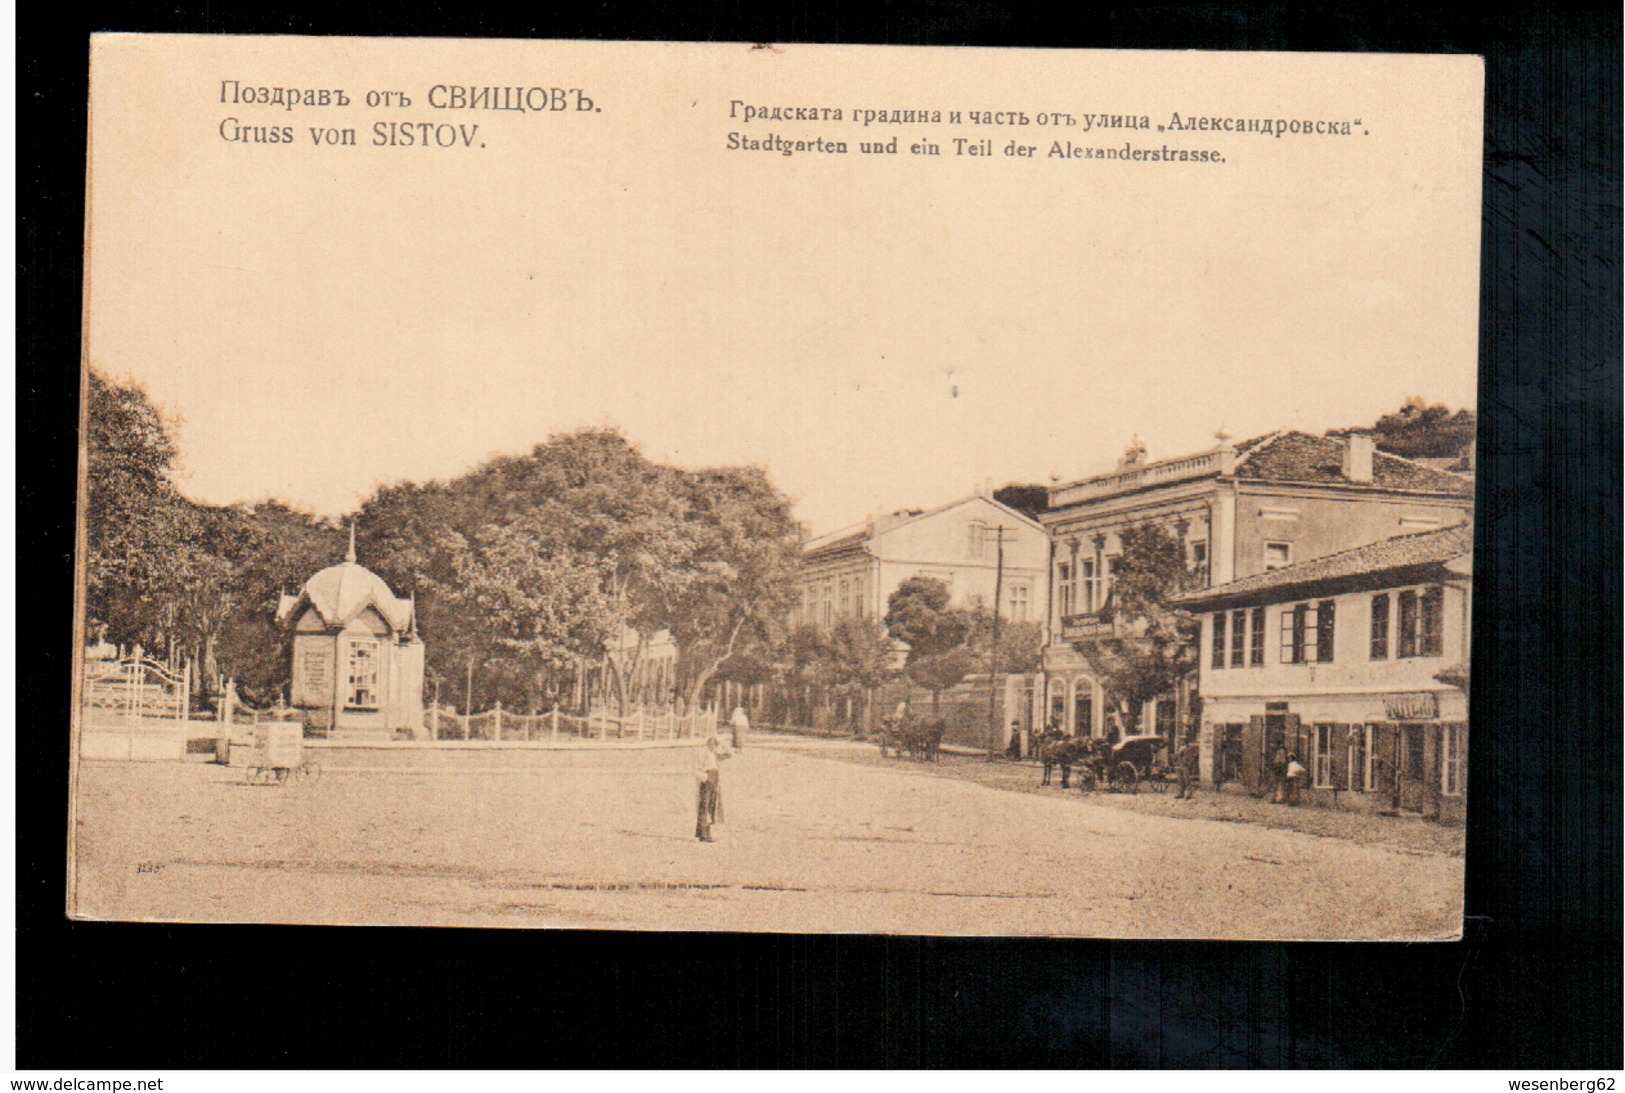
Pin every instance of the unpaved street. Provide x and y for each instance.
(809, 843)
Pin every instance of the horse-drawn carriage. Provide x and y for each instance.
(1121, 767)
(907, 735)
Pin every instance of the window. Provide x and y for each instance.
(1199, 557)
(1063, 578)
(1407, 623)
(1299, 633)
(1238, 639)
(1218, 639)
(846, 595)
(1108, 578)
(1277, 555)
(1379, 626)
(363, 693)
(1421, 623)
(1021, 596)
(1326, 644)
(1431, 640)
(1450, 759)
(1321, 756)
(1091, 587)
(976, 540)
(1165, 712)
(1258, 637)
(1358, 778)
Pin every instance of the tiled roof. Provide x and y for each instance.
(827, 544)
(1401, 552)
(1298, 457)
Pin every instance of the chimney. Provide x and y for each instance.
(1359, 451)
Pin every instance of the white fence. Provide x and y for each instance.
(632, 723)
(135, 688)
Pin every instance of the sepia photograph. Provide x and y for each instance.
(776, 488)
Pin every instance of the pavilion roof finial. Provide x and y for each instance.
(349, 555)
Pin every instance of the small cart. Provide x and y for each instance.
(278, 752)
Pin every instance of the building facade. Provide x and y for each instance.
(357, 658)
(1356, 663)
(852, 573)
(1239, 510)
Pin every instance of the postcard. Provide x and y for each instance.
(776, 487)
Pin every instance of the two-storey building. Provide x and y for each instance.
(853, 572)
(1240, 510)
(1356, 662)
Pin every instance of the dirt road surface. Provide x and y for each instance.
(809, 843)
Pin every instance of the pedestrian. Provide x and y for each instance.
(1185, 763)
(1013, 749)
(738, 726)
(1295, 773)
(710, 778)
(1278, 764)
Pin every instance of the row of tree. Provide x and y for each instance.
(530, 569)
(922, 641)
(527, 570)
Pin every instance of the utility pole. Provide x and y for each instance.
(993, 651)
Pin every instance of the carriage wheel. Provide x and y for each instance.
(1125, 775)
(1087, 779)
(1159, 782)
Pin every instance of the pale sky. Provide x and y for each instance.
(877, 331)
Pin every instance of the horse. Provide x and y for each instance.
(1056, 749)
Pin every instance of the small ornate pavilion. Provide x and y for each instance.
(357, 657)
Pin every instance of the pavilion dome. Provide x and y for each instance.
(341, 592)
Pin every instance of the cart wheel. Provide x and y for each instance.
(1125, 776)
(1086, 779)
(1159, 783)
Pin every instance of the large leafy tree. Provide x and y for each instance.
(155, 573)
(1021, 644)
(860, 657)
(540, 608)
(1418, 430)
(736, 585)
(530, 565)
(1025, 498)
(918, 614)
(274, 549)
(1155, 649)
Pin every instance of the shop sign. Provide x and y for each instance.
(1412, 706)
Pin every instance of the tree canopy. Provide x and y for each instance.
(1155, 646)
(1418, 430)
(526, 568)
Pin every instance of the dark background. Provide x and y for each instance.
(1536, 983)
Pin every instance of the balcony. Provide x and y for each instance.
(1204, 465)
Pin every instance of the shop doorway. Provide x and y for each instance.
(1412, 764)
